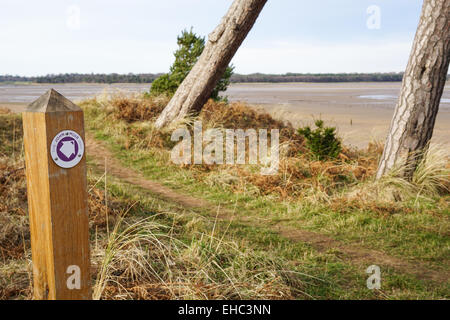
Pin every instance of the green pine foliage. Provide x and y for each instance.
(322, 142)
(190, 47)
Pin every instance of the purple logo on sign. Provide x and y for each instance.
(67, 149)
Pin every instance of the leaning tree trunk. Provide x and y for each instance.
(422, 87)
(222, 44)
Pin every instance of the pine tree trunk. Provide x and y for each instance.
(222, 44)
(423, 84)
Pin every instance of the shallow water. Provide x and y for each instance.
(379, 97)
(392, 97)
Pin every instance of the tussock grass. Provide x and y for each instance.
(15, 279)
(135, 257)
(431, 180)
(144, 259)
(339, 198)
(4, 110)
(297, 173)
(147, 249)
(349, 178)
(15, 269)
(141, 258)
(432, 176)
(135, 108)
(14, 231)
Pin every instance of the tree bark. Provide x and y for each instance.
(222, 44)
(422, 87)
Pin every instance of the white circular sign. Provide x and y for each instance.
(67, 149)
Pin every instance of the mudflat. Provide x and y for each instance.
(361, 111)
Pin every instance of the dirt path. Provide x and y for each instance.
(353, 254)
(97, 151)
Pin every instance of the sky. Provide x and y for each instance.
(139, 36)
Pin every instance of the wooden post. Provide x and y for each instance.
(57, 198)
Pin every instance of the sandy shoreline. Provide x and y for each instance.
(361, 111)
(357, 126)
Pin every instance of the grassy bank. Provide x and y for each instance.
(337, 198)
(141, 247)
(150, 248)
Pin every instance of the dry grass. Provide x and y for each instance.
(136, 108)
(298, 177)
(4, 110)
(14, 233)
(432, 176)
(143, 259)
(392, 194)
(157, 258)
(140, 258)
(339, 198)
(238, 115)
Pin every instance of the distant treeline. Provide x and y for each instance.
(255, 77)
(319, 77)
(89, 78)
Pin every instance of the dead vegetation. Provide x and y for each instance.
(133, 257)
(14, 226)
(297, 173)
(298, 176)
(239, 115)
(151, 258)
(4, 110)
(343, 184)
(140, 258)
(137, 108)
(144, 259)
(13, 211)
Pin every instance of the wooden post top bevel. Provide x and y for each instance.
(52, 101)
